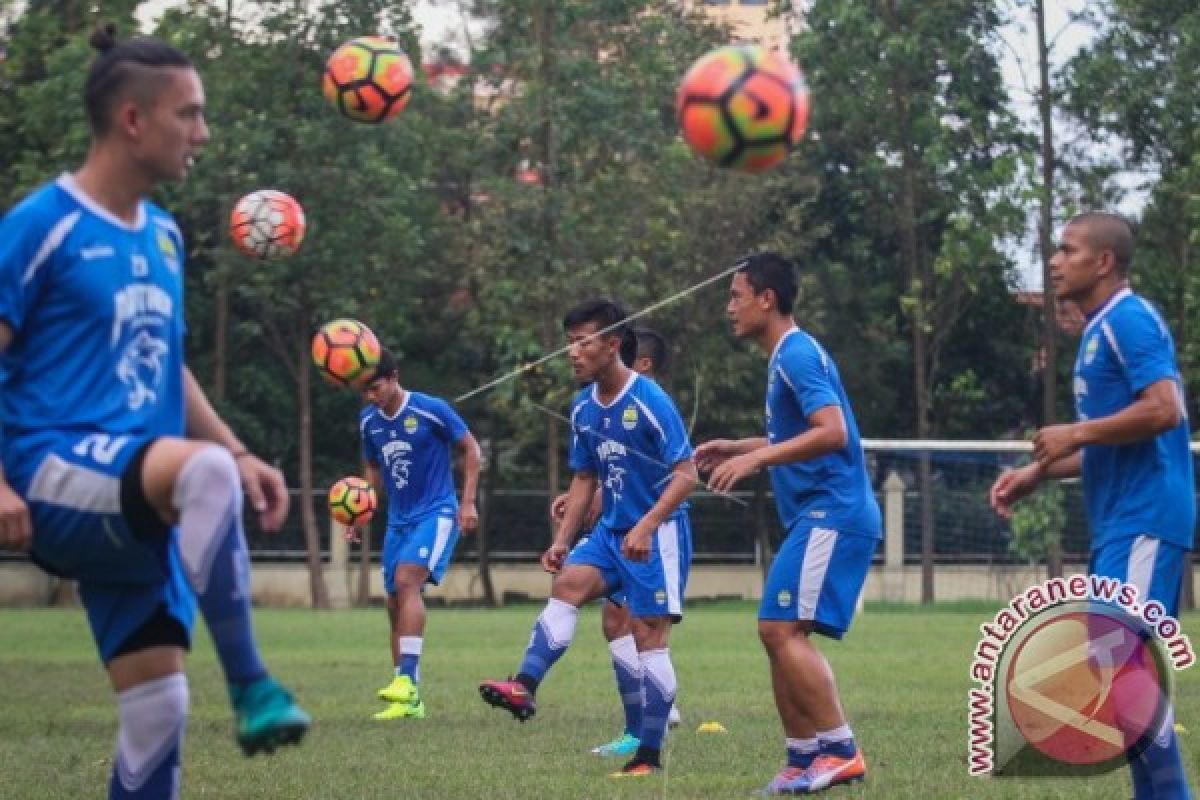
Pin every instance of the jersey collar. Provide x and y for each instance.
(596, 391)
(400, 409)
(1104, 309)
(68, 184)
(782, 339)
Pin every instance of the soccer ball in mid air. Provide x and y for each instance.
(352, 501)
(346, 352)
(743, 106)
(368, 79)
(267, 224)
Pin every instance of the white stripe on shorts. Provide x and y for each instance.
(61, 483)
(444, 526)
(1140, 570)
(812, 576)
(668, 554)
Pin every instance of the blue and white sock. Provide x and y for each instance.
(659, 685)
(552, 635)
(410, 657)
(212, 547)
(627, 668)
(153, 717)
(801, 752)
(837, 742)
(1158, 771)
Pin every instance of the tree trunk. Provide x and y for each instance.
(221, 340)
(485, 518)
(1182, 331)
(312, 536)
(761, 536)
(1054, 557)
(364, 569)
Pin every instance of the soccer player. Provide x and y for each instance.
(1130, 445)
(645, 352)
(815, 458)
(627, 434)
(117, 472)
(407, 437)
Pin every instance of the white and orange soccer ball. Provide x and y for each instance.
(267, 224)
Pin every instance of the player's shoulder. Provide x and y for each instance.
(430, 403)
(162, 220)
(367, 413)
(44, 208)
(648, 390)
(1134, 314)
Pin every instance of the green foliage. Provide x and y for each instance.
(1038, 523)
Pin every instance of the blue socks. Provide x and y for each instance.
(552, 635)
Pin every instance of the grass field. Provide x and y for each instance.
(903, 676)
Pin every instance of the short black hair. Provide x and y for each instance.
(386, 368)
(651, 345)
(122, 66)
(771, 271)
(606, 314)
(629, 348)
(1105, 230)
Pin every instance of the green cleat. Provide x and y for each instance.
(400, 690)
(413, 710)
(267, 716)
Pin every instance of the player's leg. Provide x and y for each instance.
(617, 626)
(654, 590)
(813, 586)
(1155, 567)
(197, 486)
(587, 573)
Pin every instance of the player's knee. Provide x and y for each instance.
(775, 634)
(152, 717)
(209, 473)
(614, 621)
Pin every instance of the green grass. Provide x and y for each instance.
(903, 676)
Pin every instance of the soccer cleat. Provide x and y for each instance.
(511, 695)
(636, 768)
(267, 716)
(786, 781)
(674, 719)
(624, 745)
(400, 690)
(827, 771)
(414, 710)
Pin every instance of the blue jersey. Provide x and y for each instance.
(1146, 487)
(411, 448)
(832, 489)
(96, 309)
(630, 445)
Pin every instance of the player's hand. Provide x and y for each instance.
(468, 518)
(732, 472)
(1054, 442)
(711, 455)
(16, 529)
(553, 558)
(1011, 486)
(352, 534)
(266, 491)
(636, 544)
(558, 508)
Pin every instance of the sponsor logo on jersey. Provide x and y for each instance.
(97, 251)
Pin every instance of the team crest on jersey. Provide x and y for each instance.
(423, 552)
(629, 418)
(660, 597)
(410, 424)
(1090, 350)
(167, 247)
(784, 598)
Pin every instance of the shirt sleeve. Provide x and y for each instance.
(454, 427)
(1143, 347)
(673, 443)
(27, 247)
(582, 456)
(805, 371)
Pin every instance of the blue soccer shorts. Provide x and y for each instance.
(817, 575)
(72, 485)
(652, 588)
(427, 541)
(1152, 565)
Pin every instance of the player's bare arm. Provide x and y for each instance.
(579, 496)
(1016, 484)
(16, 530)
(636, 544)
(468, 512)
(1156, 410)
(712, 454)
(263, 484)
(826, 434)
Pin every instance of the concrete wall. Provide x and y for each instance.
(283, 585)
